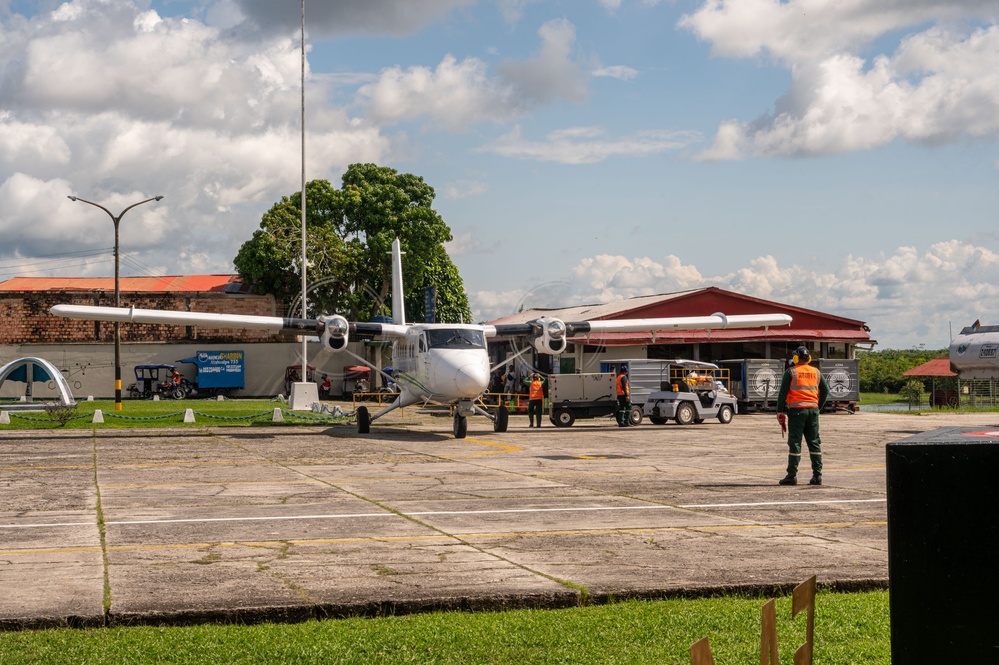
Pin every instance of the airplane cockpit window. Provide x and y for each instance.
(456, 338)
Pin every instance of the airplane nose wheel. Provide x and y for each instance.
(502, 419)
(460, 426)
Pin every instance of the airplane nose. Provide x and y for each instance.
(471, 379)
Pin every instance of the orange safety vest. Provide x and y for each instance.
(803, 392)
(536, 391)
(623, 390)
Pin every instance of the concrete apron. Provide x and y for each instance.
(287, 523)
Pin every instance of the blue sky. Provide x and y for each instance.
(837, 156)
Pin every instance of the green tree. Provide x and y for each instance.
(349, 235)
(882, 371)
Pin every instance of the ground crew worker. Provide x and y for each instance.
(803, 393)
(623, 397)
(536, 399)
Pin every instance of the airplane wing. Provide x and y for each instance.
(548, 335)
(331, 326)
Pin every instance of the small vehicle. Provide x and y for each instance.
(216, 372)
(158, 380)
(572, 396)
(698, 393)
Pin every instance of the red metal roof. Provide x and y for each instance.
(935, 367)
(165, 284)
(806, 324)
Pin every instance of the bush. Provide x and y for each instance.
(913, 391)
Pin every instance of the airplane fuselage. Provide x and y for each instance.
(443, 363)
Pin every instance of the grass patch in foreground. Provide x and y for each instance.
(168, 413)
(849, 628)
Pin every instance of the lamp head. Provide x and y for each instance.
(71, 198)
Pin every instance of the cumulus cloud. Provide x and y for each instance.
(938, 85)
(457, 93)
(907, 298)
(552, 73)
(454, 94)
(114, 103)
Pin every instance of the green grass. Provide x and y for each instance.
(164, 413)
(881, 398)
(849, 628)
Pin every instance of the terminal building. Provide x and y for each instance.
(83, 350)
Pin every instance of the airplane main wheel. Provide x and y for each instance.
(635, 417)
(363, 420)
(725, 414)
(460, 426)
(564, 418)
(657, 421)
(502, 419)
(685, 413)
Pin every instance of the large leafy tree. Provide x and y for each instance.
(349, 234)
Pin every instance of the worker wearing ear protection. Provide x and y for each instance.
(803, 393)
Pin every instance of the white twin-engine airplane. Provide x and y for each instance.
(446, 363)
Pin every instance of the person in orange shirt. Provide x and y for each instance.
(536, 398)
(803, 393)
(623, 397)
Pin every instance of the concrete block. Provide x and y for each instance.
(98, 416)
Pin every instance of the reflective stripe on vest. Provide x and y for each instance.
(804, 388)
(622, 385)
(536, 392)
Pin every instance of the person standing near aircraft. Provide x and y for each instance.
(623, 397)
(536, 399)
(803, 393)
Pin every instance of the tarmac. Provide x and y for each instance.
(294, 522)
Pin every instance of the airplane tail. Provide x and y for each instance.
(398, 309)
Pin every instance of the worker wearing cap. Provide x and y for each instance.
(536, 399)
(623, 397)
(803, 393)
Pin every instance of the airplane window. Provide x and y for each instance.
(456, 338)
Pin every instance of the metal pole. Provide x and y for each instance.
(304, 257)
(117, 288)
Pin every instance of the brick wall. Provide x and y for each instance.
(25, 318)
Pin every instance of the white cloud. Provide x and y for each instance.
(940, 83)
(907, 298)
(463, 189)
(552, 74)
(115, 104)
(586, 145)
(454, 94)
(457, 93)
(621, 72)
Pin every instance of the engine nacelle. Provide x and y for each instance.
(549, 337)
(336, 332)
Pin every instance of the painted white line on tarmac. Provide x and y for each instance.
(430, 513)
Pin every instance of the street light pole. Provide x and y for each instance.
(117, 289)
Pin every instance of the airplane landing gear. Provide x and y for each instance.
(363, 420)
(460, 426)
(502, 419)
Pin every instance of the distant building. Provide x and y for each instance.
(25, 303)
(826, 335)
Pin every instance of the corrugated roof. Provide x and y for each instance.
(935, 367)
(165, 284)
(806, 324)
